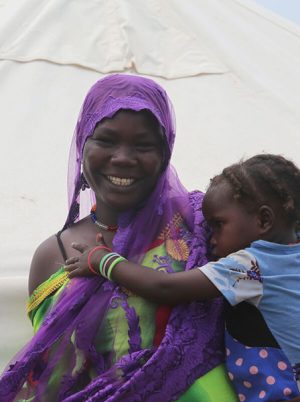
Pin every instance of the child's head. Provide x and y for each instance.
(255, 199)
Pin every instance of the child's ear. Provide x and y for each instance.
(266, 218)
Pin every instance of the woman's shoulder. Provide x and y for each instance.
(51, 254)
(46, 260)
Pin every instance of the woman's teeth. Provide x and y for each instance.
(120, 181)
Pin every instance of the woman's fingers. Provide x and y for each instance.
(80, 247)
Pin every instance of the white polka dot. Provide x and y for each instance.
(239, 361)
(287, 391)
(263, 353)
(282, 365)
(270, 380)
(253, 370)
(231, 376)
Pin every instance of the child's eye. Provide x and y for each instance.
(216, 225)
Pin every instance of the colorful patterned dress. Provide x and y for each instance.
(112, 338)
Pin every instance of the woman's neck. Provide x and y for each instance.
(106, 215)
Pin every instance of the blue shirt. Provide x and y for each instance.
(268, 276)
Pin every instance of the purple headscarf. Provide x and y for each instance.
(192, 344)
(104, 99)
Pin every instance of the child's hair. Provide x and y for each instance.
(265, 178)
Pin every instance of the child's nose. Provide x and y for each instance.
(213, 241)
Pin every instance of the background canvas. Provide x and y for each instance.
(231, 68)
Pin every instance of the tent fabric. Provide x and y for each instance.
(124, 34)
(231, 68)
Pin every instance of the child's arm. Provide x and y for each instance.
(155, 285)
(164, 288)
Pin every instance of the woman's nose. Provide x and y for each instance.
(124, 155)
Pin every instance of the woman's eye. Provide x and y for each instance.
(104, 140)
(146, 146)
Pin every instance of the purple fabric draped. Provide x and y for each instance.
(193, 343)
(104, 99)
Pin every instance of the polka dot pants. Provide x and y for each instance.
(259, 373)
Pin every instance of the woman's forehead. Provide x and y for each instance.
(130, 125)
(144, 116)
(138, 94)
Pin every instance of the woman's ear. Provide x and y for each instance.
(266, 218)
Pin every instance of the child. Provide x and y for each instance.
(253, 208)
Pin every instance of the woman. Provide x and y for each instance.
(95, 341)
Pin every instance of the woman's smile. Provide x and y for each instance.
(121, 181)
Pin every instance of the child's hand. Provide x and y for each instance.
(79, 266)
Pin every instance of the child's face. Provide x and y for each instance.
(233, 227)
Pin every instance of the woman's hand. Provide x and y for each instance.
(81, 265)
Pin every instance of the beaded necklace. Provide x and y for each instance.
(101, 225)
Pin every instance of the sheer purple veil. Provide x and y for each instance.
(137, 228)
(193, 341)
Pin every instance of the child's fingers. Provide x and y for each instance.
(80, 247)
(75, 273)
(74, 270)
(99, 238)
(79, 272)
(70, 267)
(71, 260)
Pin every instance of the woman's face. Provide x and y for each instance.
(122, 160)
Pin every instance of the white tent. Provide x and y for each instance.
(231, 68)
